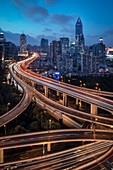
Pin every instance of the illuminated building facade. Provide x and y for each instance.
(44, 45)
(22, 42)
(99, 52)
(64, 45)
(55, 50)
(79, 37)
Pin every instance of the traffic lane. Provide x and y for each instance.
(52, 138)
(79, 114)
(101, 163)
(104, 93)
(84, 97)
(69, 88)
(80, 149)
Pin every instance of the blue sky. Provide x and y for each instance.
(56, 18)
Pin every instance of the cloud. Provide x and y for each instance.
(36, 13)
(47, 30)
(31, 10)
(50, 2)
(61, 19)
(109, 31)
(19, 3)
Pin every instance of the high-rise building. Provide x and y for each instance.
(79, 37)
(99, 52)
(72, 48)
(55, 50)
(22, 42)
(10, 51)
(64, 45)
(44, 45)
(69, 65)
(2, 39)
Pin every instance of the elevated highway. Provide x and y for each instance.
(24, 66)
(95, 101)
(98, 101)
(62, 159)
(21, 106)
(57, 136)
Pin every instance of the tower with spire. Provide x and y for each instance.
(79, 37)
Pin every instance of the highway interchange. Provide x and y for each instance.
(62, 135)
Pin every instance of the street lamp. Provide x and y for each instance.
(81, 83)
(8, 104)
(84, 84)
(49, 123)
(5, 130)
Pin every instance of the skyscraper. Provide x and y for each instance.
(55, 50)
(44, 45)
(79, 37)
(22, 42)
(64, 45)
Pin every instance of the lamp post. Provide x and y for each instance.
(49, 123)
(5, 130)
(84, 84)
(8, 104)
(80, 83)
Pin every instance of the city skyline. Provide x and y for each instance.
(46, 19)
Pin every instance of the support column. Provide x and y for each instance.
(65, 100)
(94, 109)
(58, 95)
(60, 118)
(49, 147)
(1, 155)
(33, 83)
(43, 149)
(77, 104)
(46, 91)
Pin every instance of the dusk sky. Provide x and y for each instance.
(56, 18)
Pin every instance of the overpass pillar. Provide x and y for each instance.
(65, 100)
(1, 155)
(57, 95)
(33, 83)
(43, 149)
(94, 109)
(77, 103)
(60, 118)
(49, 147)
(46, 91)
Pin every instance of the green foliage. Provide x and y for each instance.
(8, 94)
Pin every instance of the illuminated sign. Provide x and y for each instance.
(23, 53)
(56, 75)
